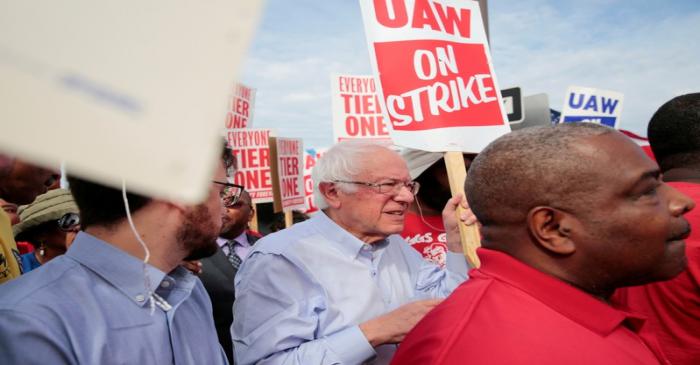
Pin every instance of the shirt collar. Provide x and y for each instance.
(342, 239)
(123, 271)
(564, 298)
(180, 283)
(242, 240)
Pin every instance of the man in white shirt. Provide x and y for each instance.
(342, 287)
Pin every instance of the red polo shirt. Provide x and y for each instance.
(510, 313)
(673, 306)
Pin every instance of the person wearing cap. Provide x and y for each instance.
(49, 224)
(423, 228)
(20, 183)
(342, 287)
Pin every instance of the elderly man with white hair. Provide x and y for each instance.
(342, 287)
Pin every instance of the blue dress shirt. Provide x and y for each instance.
(303, 291)
(90, 306)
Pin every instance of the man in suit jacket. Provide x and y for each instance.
(219, 269)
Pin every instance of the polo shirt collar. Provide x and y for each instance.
(123, 271)
(342, 239)
(562, 297)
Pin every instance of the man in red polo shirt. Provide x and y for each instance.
(569, 214)
(673, 306)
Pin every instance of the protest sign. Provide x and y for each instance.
(585, 104)
(513, 104)
(436, 79)
(286, 155)
(252, 153)
(121, 90)
(554, 115)
(240, 113)
(311, 156)
(437, 82)
(357, 110)
(536, 111)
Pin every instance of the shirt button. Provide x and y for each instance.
(165, 284)
(140, 298)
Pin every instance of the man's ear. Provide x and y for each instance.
(331, 193)
(552, 229)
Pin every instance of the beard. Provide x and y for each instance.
(233, 229)
(198, 233)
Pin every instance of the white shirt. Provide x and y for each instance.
(304, 290)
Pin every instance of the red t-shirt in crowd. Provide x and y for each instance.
(431, 242)
(673, 306)
(509, 313)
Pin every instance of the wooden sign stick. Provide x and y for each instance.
(469, 235)
(254, 222)
(288, 219)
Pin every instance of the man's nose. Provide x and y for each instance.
(404, 195)
(679, 203)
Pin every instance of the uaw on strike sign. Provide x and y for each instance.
(435, 73)
(357, 110)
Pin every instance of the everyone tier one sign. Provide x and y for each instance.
(436, 78)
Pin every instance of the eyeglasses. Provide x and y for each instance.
(389, 188)
(239, 204)
(231, 193)
(69, 222)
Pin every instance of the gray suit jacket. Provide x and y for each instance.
(217, 277)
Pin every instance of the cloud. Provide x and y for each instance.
(648, 56)
(644, 48)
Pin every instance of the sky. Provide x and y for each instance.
(646, 49)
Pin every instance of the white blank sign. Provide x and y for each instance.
(133, 90)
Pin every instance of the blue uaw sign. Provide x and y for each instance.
(583, 104)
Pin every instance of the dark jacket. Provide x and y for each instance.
(217, 277)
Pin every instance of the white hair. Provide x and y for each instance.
(343, 161)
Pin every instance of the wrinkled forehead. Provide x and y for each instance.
(382, 163)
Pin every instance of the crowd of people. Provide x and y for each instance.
(587, 257)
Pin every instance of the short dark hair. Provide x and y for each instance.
(530, 167)
(104, 206)
(674, 132)
(101, 205)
